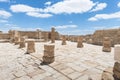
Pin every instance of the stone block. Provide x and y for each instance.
(106, 45)
(80, 42)
(48, 54)
(116, 71)
(22, 44)
(31, 46)
(117, 53)
(63, 40)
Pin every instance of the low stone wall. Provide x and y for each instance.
(4, 36)
(113, 34)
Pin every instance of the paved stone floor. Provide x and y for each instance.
(71, 63)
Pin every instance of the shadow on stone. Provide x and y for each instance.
(44, 63)
(26, 53)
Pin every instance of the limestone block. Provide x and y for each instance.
(31, 46)
(117, 53)
(22, 44)
(107, 74)
(17, 39)
(53, 35)
(116, 71)
(48, 54)
(106, 44)
(64, 40)
(80, 42)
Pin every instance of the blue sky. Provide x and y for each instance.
(75, 17)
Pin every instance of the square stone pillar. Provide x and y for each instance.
(53, 35)
(16, 40)
(11, 33)
(80, 42)
(48, 54)
(46, 36)
(116, 68)
(63, 40)
(30, 46)
(22, 42)
(106, 44)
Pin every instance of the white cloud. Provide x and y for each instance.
(100, 6)
(105, 16)
(66, 26)
(4, 14)
(30, 11)
(48, 3)
(3, 21)
(4, 0)
(118, 4)
(65, 6)
(70, 6)
(23, 8)
(39, 15)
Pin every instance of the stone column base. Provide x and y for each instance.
(106, 49)
(48, 59)
(22, 45)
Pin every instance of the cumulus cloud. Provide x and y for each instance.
(66, 26)
(70, 6)
(23, 8)
(48, 3)
(65, 6)
(105, 16)
(100, 6)
(118, 4)
(30, 11)
(39, 15)
(4, 14)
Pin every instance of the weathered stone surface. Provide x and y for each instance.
(48, 54)
(80, 42)
(113, 34)
(53, 35)
(31, 46)
(63, 40)
(17, 39)
(117, 53)
(46, 36)
(22, 42)
(107, 74)
(106, 44)
(116, 71)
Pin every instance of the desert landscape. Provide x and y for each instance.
(56, 57)
(59, 39)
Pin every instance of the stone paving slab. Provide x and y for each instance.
(71, 63)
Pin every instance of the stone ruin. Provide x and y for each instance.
(30, 46)
(80, 42)
(52, 35)
(113, 73)
(106, 44)
(63, 40)
(113, 34)
(116, 68)
(22, 42)
(38, 34)
(16, 40)
(48, 56)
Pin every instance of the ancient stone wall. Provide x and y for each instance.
(29, 34)
(113, 34)
(4, 36)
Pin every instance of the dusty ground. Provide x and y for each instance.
(71, 63)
